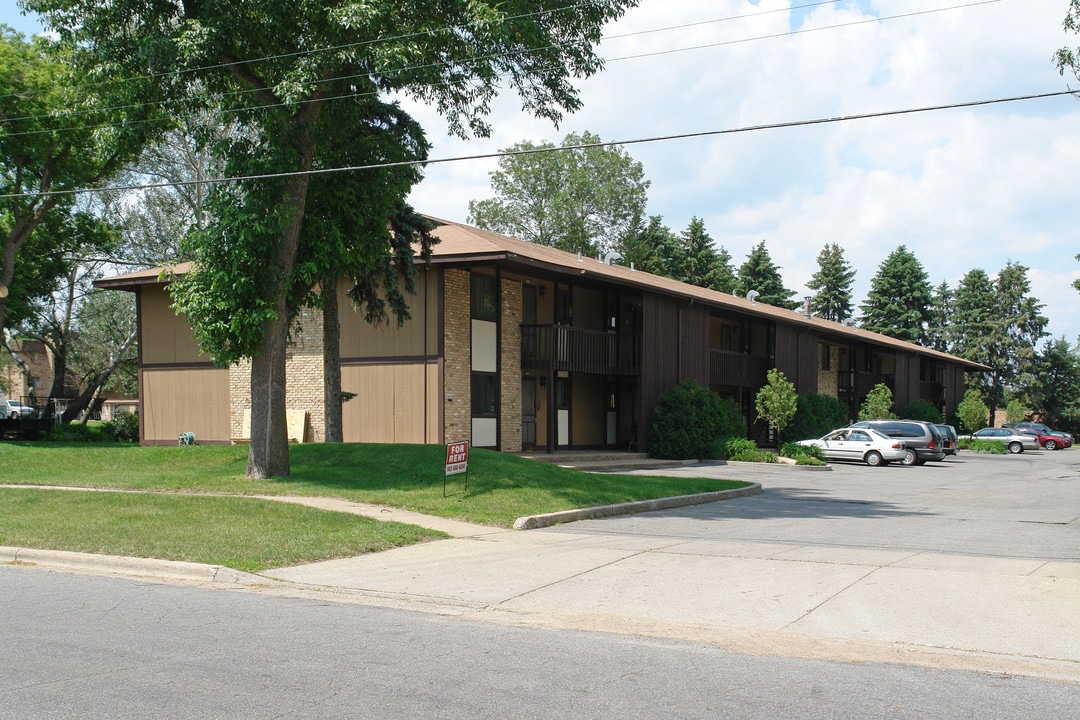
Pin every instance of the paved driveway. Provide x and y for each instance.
(1009, 506)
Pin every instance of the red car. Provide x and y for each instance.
(1046, 440)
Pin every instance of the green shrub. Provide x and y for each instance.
(69, 432)
(754, 456)
(807, 460)
(125, 426)
(795, 450)
(692, 422)
(922, 410)
(878, 403)
(738, 446)
(992, 447)
(816, 415)
(972, 412)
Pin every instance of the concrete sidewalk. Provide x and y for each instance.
(1013, 616)
(998, 615)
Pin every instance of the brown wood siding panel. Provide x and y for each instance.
(392, 404)
(694, 350)
(806, 380)
(360, 339)
(192, 400)
(165, 336)
(906, 384)
(787, 351)
(659, 354)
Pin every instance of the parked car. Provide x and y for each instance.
(922, 440)
(1015, 441)
(860, 444)
(950, 439)
(1046, 440)
(16, 410)
(1060, 439)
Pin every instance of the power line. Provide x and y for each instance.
(488, 57)
(536, 151)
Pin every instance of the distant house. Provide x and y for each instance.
(516, 346)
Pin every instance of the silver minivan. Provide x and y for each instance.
(923, 439)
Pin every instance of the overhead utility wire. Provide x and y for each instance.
(536, 151)
(605, 60)
(802, 31)
(300, 53)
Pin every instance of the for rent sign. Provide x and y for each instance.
(457, 458)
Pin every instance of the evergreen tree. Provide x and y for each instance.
(997, 323)
(898, 304)
(645, 243)
(761, 274)
(941, 317)
(1057, 391)
(1023, 326)
(701, 263)
(832, 284)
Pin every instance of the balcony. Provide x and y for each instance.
(570, 349)
(737, 369)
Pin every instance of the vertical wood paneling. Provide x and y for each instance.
(189, 400)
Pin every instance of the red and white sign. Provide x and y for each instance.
(457, 458)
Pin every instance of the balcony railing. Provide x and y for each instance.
(860, 383)
(561, 347)
(737, 369)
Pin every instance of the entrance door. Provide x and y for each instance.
(529, 406)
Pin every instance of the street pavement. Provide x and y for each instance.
(969, 564)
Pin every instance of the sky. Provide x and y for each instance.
(960, 188)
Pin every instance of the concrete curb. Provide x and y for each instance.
(531, 522)
(173, 570)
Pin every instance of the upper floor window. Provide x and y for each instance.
(484, 298)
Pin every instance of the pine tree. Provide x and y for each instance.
(703, 265)
(898, 304)
(760, 273)
(832, 285)
(941, 317)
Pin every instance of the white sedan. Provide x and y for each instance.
(860, 444)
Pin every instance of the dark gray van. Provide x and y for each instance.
(923, 439)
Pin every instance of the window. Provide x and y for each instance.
(485, 394)
(484, 302)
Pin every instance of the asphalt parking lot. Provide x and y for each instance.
(1008, 506)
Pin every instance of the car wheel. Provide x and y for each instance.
(1015, 448)
(910, 457)
(1051, 445)
(873, 458)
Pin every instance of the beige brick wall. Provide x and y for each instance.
(510, 367)
(305, 380)
(457, 369)
(828, 380)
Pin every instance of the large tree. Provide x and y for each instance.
(940, 322)
(278, 65)
(760, 274)
(832, 284)
(898, 303)
(581, 198)
(60, 130)
(998, 323)
(1056, 393)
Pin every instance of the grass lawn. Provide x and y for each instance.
(242, 533)
(501, 487)
(220, 526)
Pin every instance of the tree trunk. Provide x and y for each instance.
(332, 361)
(99, 381)
(268, 455)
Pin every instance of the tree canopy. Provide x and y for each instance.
(58, 132)
(832, 284)
(898, 303)
(759, 273)
(583, 198)
(281, 69)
